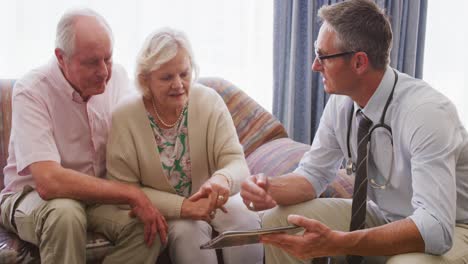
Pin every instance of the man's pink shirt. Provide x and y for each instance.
(51, 122)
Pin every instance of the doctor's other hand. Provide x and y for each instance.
(318, 240)
(255, 193)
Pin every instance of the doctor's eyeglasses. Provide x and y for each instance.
(321, 58)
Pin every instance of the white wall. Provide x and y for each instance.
(231, 39)
(446, 51)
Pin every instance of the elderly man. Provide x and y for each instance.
(61, 117)
(403, 141)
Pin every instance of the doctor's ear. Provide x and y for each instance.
(361, 62)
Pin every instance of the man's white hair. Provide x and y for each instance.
(65, 35)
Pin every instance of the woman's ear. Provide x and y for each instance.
(143, 79)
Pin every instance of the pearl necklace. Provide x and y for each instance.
(162, 121)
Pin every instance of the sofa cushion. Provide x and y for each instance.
(282, 156)
(255, 126)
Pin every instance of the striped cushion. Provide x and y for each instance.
(255, 126)
(277, 157)
(282, 156)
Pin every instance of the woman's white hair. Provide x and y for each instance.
(65, 35)
(160, 47)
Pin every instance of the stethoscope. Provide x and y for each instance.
(351, 166)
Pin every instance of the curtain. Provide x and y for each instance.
(298, 94)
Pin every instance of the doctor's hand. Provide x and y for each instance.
(254, 193)
(317, 241)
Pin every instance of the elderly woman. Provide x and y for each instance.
(177, 142)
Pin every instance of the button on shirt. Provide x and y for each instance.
(428, 178)
(51, 122)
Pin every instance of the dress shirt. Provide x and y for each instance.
(428, 178)
(51, 122)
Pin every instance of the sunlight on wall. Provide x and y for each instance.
(231, 39)
(446, 56)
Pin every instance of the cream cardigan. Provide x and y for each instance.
(132, 154)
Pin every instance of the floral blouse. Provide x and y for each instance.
(174, 151)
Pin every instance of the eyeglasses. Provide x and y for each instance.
(321, 58)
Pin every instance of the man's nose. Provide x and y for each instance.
(104, 69)
(316, 65)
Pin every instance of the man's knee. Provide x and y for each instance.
(416, 258)
(64, 215)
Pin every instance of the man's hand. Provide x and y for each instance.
(152, 219)
(217, 189)
(254, 192)
(317, 240)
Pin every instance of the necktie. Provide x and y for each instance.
(358, 211)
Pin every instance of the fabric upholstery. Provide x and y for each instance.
(255, 126)
(282, 156)
(5, 122)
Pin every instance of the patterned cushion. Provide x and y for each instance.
(282, 155)
(255, 126)
(5, 122)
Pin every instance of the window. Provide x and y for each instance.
(231, 39)
(446, 54)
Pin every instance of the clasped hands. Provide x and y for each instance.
(212, 195)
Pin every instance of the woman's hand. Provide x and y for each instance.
(217, 188)
(201, 209)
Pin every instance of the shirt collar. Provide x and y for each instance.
(62, 83)
(375, 106)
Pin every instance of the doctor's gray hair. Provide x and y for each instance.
(360, 26)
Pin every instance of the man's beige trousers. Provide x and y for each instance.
(335, 213)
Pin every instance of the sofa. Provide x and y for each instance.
(266, 144)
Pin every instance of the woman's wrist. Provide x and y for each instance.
(227, 179)
(185, 209)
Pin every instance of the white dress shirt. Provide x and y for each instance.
(427, 180)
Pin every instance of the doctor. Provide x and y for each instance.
(402, 140)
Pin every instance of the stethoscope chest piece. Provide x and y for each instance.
(350, 167)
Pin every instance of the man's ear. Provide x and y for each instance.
(60, 55)
(361, 62)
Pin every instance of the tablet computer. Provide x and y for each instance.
(238, 238)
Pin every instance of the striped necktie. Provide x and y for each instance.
(359, 208)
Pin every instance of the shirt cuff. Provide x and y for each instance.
(319, 187)
(437, 240)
